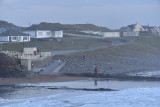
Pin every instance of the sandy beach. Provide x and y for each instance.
(40, 78)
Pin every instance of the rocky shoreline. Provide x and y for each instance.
(113, 66)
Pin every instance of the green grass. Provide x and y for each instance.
(67, 43)
(141, 46)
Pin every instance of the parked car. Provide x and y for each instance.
(110, 45)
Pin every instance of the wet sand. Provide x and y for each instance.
(40, 78)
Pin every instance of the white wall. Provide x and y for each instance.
(130, 33)
(32, 33)
(29, 50)
(18, 38)
(4, 38)
(92, 32)
(44, 34)
(110, 34)
(58, 34)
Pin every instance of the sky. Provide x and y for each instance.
(108, 13)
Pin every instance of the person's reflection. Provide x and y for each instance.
(95, 82)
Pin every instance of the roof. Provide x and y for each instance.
(42, 28)
(156, 28)
(10, 28)
(132, 26)
(13, 33)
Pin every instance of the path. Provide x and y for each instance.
(54, 67)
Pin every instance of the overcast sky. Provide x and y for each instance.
(109, 13)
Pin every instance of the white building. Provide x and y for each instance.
(14, 36)
(155, 30)
(110, 34)
(44, 32)
(135, 27)
(130, 33)
(92, 32)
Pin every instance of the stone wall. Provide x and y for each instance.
(41, 62)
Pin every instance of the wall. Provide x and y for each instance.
(32, 33)
(19, 39)
(110, 34)
(44, 34)
(29, 50)
(92, 32)
(138, 28)
(41, 62)
(130, 33)
(58, 34)
(4, 38)
(26, 63)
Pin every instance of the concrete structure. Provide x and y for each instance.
(110, 34)
(27, 64)
(30, 50)
(14, 36)
(44, 32)
(129, 33)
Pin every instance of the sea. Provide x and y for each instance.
(84, 93)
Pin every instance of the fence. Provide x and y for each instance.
(21, 55)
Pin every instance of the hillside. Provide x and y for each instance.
(79, 27)
(141, 55)
(4, 23)
(74, 28)
(67, 28)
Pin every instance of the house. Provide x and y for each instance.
(155, 30)
(152, 29)
(130, 33)
(43, 32)
(110, 34)
(136, 27)
(14, 36)
(133, 28)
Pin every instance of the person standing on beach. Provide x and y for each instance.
(96, 70)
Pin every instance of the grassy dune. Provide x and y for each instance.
(67, 43)
(142, 45)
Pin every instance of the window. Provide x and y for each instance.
(14, 38)
(48, 33)
(25, 38)
(40, 33)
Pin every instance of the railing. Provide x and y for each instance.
(21, 55)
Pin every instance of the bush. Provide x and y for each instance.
(9, 66)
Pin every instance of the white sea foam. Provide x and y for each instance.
(134, 97)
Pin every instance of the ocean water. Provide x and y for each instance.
(148, 96)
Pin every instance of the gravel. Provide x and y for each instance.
(112, 65)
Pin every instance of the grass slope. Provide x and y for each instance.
(67, 43)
